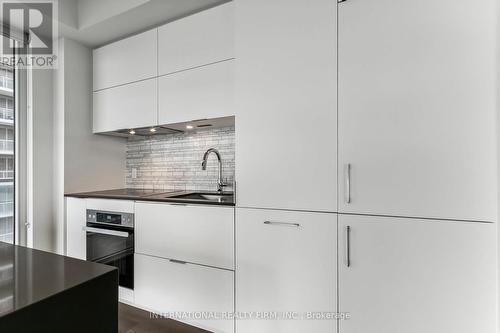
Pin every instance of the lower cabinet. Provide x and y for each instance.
(285, 270)
(193, 233)
(197, 295)
(414, 276)
(76, 237)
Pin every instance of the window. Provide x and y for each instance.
(7, 156)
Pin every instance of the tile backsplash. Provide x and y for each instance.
(173, 161)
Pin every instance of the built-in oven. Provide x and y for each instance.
(110, 241)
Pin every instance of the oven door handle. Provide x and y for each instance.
(107, 232)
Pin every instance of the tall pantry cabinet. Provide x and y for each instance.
(413, 275)
(286, 121)
(417, 108)
(416, 198)
(417, 138)
(286, 153)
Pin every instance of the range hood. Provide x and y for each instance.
(143, 131)
(198, 124)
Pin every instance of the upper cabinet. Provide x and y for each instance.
(286, 101)
(417, 108)
(196, 40)
(189, 62)
(201, 93)
(128, 60)
(129, 106)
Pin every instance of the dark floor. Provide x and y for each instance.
(134, 320)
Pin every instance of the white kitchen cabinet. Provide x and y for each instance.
(128, 60)
(111, 205)
(286, 115)
(414, 276)
(76, 237)
(203, 38)
(129, 106)
(285, 263)
(190, 290)
(196, 234)
(201, 93)
(417, 108)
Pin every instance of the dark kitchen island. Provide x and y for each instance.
(43, 292)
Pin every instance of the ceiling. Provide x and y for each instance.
(98, 22)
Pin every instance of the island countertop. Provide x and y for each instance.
(37, 284)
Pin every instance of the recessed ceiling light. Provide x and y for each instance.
(152, 129)
(189, 126)
(131, 132)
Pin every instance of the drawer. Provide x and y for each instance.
(188, 289)
(286, 261)
(110, 205)
(197, 234)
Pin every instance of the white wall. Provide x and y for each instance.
(67, 157)
(82, 161)
(91, 162)
(91, 12)
(498, 156)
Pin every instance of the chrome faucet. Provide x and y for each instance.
(220, 182)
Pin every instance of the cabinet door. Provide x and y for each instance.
(201, 93)
(76, 237)
(417, 276)
(187, 290)
(197, 234)
(417, 105)
(286, 104)
(129, 106)
(125, 61)
(196, 40)
(111, 205)
(285, 263)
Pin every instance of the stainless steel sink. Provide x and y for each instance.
(204, 196)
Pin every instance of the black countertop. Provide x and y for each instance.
(151, 195)
(30, 276)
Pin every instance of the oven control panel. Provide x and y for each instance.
(110, 218)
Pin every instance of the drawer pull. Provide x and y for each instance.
(348, 246)
(348, 183)
(177, 261)
(284, 224)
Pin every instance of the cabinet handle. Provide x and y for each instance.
(340, 1)
(348, 246)
(109, 232)
(284, 224)
(348, 183)
(177, 261)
